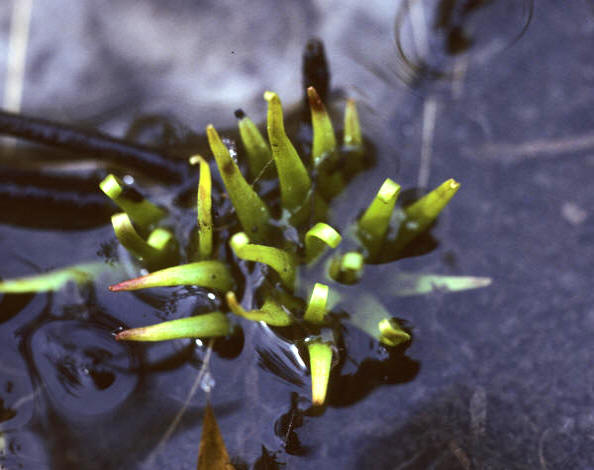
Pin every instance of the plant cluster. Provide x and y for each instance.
(304, 271)
(303, 266)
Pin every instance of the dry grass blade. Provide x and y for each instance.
(212, 454)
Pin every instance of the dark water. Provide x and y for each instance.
(494, 378)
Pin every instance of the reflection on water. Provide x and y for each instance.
(83, 371)
(435, 40)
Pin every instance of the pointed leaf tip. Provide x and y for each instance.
(209, 273)
(324, 141)
(257, 149)
(374, 223)
(294, 180)
(212, 454)
(251, 210)
(422, 213)
(207, 325)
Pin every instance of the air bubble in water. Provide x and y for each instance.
(207, 383)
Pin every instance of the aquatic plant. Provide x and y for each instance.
(305, 274)
(303, 265)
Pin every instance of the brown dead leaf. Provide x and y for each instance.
(212, 454)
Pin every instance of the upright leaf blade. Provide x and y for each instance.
(282, 262)
(373, 224)
(324, 141)
(295, 184)
(251, 210)
(421, 214)
(257, 149)
(204, 209)
(320, 359)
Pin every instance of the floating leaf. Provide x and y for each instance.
(295, 184)
(270, 313)
(209, 273)
(316, 308)
(139, 209)
(405, 284)
(324, 142)
(251, 210)
(212, 454)
(320, 360)
(53, 280)
(421, 214)
(207, 325)
(373, 224)
(257, 149)
(282, 262)
(318, 238)
(204, 208)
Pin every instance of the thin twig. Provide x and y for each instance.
(16, 60)
(175, 423)
(17, 53)
(538, 148)
(429, 118)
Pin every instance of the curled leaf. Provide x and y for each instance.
(271, 313)
(200, 326)
(348, 268)
(282, 262)
(316, 308)
(371, 316)
(210, 274)
(251, 210)
(318, 238)
(391, 333)
(139, 209)
(153, 251)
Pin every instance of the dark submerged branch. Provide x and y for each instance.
(92, 144)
